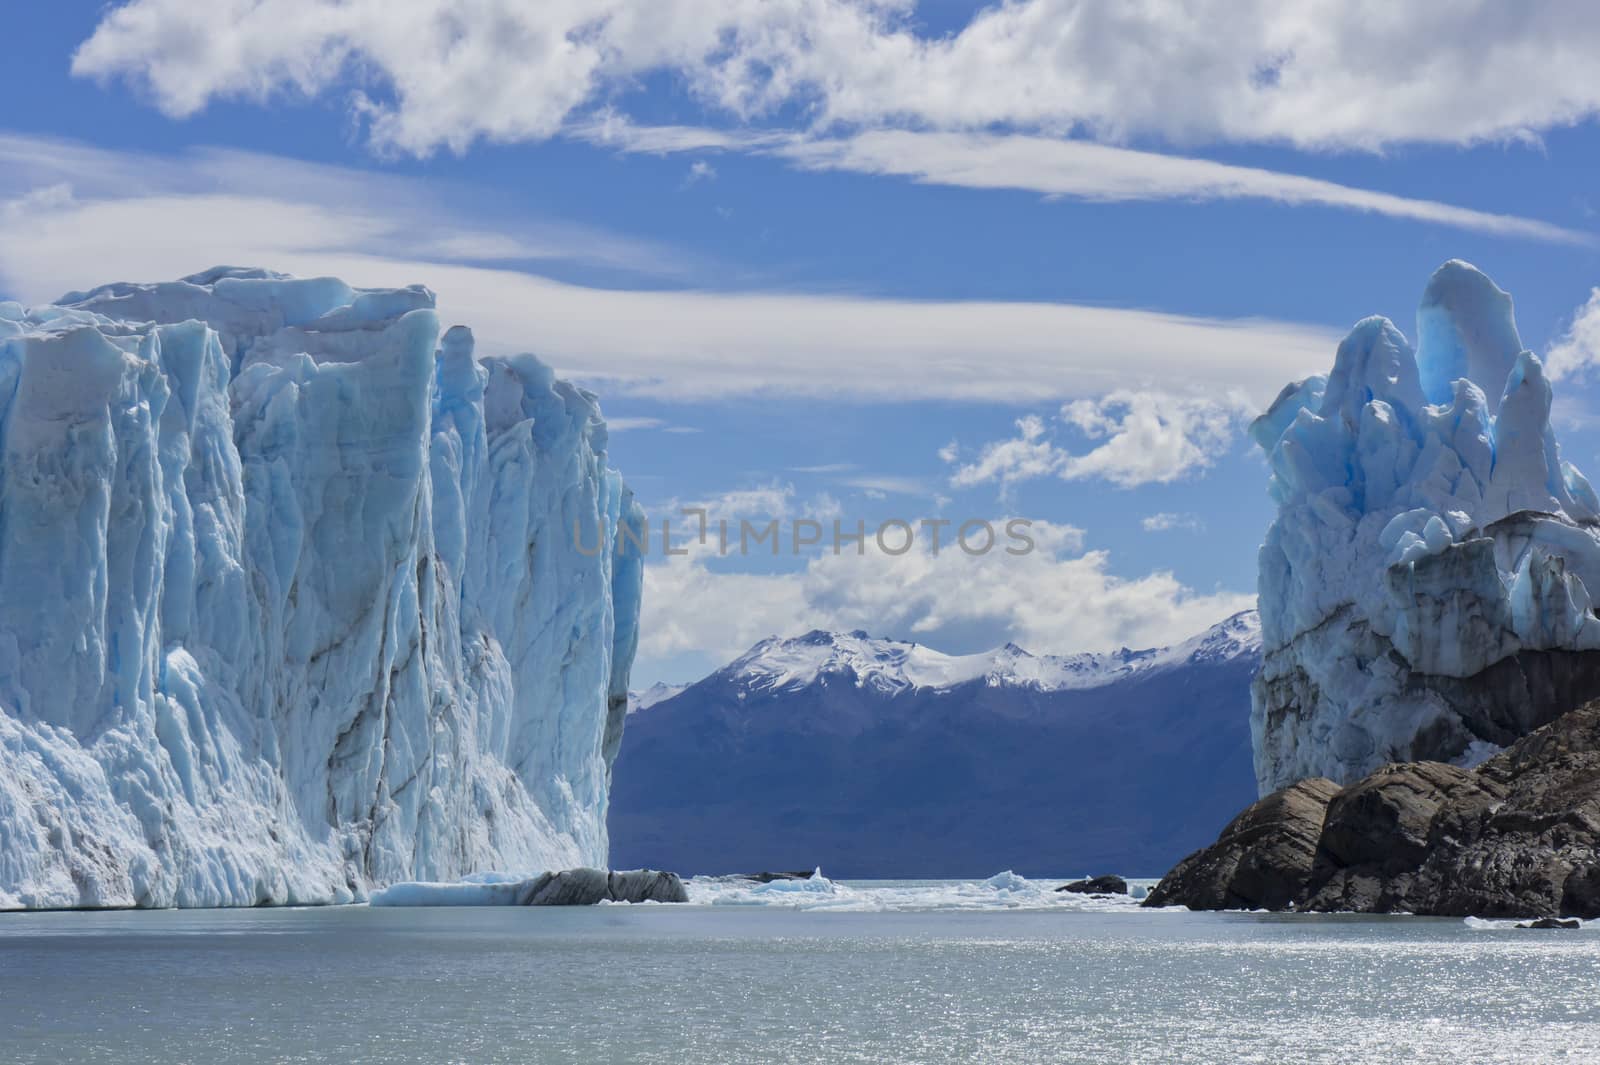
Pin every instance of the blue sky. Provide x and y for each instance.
(803, 247)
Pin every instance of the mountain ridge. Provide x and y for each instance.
(877, 757)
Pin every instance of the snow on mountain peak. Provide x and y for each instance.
(889, 666)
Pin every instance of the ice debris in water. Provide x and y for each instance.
(1004, 890)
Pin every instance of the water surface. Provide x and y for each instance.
(879, 978)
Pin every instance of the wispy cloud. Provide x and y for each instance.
(1166, 521)
(1086, 171)
(677, 343)
(826, 467)
(229, 198)
(890, 485)
(630, 425)
(1061, 168)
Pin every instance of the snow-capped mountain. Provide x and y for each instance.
(891, 666)
(657, 692)
(876, 757)
(290, 604)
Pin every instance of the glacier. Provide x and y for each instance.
(1425, 587)
(291, 606)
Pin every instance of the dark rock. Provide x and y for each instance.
(1261, 861)
(1517, 837)
(1097, 885)
(1551, 922)
(1376, 835)
(586, 887)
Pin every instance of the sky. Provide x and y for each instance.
(858, 260)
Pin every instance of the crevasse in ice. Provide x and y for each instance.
(1425, 589)
(291, 603)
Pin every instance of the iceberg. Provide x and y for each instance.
(1425, 585)
(290, 602)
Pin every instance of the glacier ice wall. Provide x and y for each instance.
(291, 603)
(1425, 589)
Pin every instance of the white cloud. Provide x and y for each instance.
(1056, 599)
(209, 203)
(1087, 171)
(624, 425)
(1149, 437)
(889, 484)
(1057, 168)
(700, 170)
(1314, 73)
(141, 217)
(1577, 350)
(1166, 521)
(826, 467)
(1022, 458)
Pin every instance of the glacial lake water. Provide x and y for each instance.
(925, 972)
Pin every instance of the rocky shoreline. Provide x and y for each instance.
(1516, 837)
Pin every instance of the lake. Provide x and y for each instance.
(998, 971)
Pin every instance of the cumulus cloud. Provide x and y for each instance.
(1009, 101)
(1577, 350)
(1315, 73)
(1149, 437)
(1058, 598)
(1144, 438)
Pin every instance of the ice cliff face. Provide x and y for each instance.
(291, 603)
(1425, 588)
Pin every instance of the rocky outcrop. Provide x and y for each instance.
(1261, 861)
(1097, 885)
(1517, 837)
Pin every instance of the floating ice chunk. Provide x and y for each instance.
(1007, 881)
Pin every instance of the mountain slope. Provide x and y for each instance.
(885, 759)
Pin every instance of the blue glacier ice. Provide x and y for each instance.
(1425, 586)
(291, 604)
